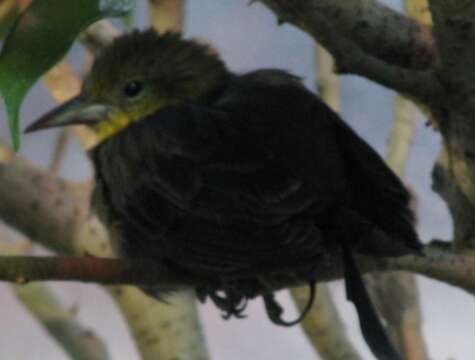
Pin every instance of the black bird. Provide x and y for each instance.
(238, 178)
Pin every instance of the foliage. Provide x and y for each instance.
(39, 37)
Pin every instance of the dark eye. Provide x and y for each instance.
(133, 88)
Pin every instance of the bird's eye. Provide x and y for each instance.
(133, 88)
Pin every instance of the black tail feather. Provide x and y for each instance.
(373, 331)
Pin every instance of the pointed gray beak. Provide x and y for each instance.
(72, 112)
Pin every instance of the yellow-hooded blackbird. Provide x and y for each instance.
(233, 177)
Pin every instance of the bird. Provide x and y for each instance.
(239, 178)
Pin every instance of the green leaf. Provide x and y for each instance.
(39, 38)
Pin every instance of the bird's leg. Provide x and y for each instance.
(275, 311)
(232, 301)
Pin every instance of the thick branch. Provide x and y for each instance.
(452, 179)
(42, 206)
(351, 58)
(454, 28)
(454, 174)
(438, 263)
(375, 28)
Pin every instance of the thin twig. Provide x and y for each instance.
(59, 150)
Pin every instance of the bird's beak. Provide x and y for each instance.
(74, 111)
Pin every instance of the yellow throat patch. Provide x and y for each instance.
(117, 121)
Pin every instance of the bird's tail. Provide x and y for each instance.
(373, 330)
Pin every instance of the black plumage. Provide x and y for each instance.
(240, 178)
(258, 177)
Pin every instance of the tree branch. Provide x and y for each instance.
(454, 29)
(401, 136)
(78, 342)
(438, 263)
(378, 30)
(23, 269)
(454, 174)
(59, 151)
(163, 330)
(43, 207)
(349, 56)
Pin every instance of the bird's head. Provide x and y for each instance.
(137, 75)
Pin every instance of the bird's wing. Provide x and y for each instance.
(378, 195)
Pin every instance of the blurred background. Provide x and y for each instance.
(248, 37)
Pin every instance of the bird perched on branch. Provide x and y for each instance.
(243, 179)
